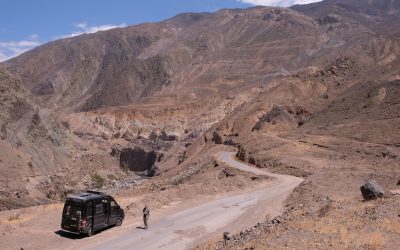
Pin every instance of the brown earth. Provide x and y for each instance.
(38, 227)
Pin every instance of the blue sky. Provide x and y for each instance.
(25, 24)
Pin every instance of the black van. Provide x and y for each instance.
(90, 211)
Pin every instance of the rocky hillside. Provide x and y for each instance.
(34, 146)
(202, 54)
(202, 64)
(191, 54)
(40, 159)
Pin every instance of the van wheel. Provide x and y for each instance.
(90, 232)
(119, 222)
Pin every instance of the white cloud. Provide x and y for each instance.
(83, 28)
(3, 56)
(10, 49)
(281, 3)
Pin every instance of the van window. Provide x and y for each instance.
(72, 210)
(89, 209)
(99, 208)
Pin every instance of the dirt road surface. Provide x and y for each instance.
(188, 227)
(177, 226)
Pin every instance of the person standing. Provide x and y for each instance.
(146, 216)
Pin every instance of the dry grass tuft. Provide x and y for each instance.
(392, 226)
(354, 239)
(377, 240)
(14, 217)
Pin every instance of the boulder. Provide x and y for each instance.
(217, 138)
(371, 190)
(227, 236)
(215, 164)
(398, 183)
(154, 171)
(169, 134)
(226, 173)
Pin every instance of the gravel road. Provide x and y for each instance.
(196, 224)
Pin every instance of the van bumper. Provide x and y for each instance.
(74, 230)
(71, 232)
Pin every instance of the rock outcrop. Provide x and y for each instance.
(138, 159)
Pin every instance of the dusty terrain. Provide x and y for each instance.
(311, 91)
(229, 191)
(137, 98)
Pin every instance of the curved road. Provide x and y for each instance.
(194, 225)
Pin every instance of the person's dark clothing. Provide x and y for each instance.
(146, 216)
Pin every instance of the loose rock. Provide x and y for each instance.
(371, 190)
(227, 236)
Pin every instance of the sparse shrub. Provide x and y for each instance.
(125, 168)
(98, 181)
(14, 217)
(66, 124)
(111, 177)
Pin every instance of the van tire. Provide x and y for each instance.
(90, 232)
(119, 222)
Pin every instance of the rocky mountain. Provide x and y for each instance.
(34, 146)
(119, 67)
(239, 77)
(40, 159)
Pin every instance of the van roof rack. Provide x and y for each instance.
(94, 192)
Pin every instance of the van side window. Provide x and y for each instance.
(99, 208)
(89, 210)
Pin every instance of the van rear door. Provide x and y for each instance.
(72, 214)
(89, 212)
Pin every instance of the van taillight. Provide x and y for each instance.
(83, 223)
